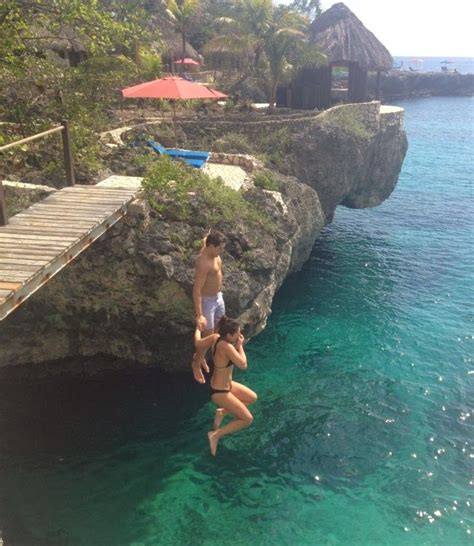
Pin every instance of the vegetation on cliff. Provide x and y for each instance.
(181, 193)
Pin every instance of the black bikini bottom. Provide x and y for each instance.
(218, 391)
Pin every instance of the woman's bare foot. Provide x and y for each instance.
(220, 412)
(213, 440)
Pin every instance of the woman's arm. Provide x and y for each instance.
(237, 354)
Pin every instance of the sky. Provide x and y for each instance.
(420, 28)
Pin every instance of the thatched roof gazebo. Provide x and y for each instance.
(67, 44)
(343, 38)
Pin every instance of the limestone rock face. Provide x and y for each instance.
(130, 295)
(351, 155)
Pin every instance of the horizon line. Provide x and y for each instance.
(436, 56)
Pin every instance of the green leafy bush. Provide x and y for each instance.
(265, 181)
(183, 193)
(99, 78)
(37, 94)
(151, 64)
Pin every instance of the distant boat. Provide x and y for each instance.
(446, 62)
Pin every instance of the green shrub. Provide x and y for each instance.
(229, 105)
(97, 79)
(184, 193)
(265, 181)
(233, 143)
(274, 147)
(349, 121)
(163, 105)
(151, 64)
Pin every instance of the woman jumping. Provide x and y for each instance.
(229, 396)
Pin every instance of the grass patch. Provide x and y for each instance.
(233, 143)
(183, 193)
(349, 121)
(271, 147)
(274, 147)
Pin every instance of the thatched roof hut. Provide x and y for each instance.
(343, 38)
(66, 44)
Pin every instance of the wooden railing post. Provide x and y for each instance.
(67, 150)
(3, 207)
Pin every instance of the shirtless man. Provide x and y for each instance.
(207, 296)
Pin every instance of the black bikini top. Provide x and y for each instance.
(228, 365)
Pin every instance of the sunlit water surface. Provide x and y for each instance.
(363, 430)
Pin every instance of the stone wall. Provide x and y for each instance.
(391, 116)
(373, 115)
(367, 113)
(203, 132)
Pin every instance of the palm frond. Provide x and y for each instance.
(225, 21)
(290, 33)
(229, 43)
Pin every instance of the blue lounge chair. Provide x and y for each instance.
(194, 158)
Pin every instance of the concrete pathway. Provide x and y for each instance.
(233, 176)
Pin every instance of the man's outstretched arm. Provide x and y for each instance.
(199, 280)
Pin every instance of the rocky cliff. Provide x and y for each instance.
(129, 295)
(401, 84)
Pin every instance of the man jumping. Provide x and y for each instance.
(207, 295)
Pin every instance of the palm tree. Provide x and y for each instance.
(244, 33)
(273, 38)
(286, 48)
(181, 12)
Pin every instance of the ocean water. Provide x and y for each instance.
(464, 65)
(363, 432)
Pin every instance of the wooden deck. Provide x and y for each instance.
(37, 243)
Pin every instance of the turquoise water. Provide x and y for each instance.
(363, 431)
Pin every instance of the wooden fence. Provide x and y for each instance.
(67, 154)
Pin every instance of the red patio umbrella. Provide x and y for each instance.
(169, 88)
(172, 88)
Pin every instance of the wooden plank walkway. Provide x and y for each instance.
(37, 243)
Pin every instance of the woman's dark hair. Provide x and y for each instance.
(227, 326)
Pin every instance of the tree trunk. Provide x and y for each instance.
(273, 92)
(136, 54)
(183, 53)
